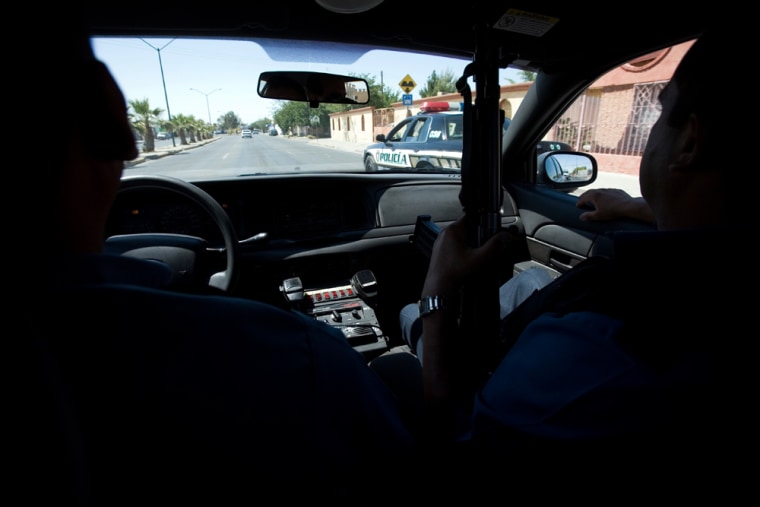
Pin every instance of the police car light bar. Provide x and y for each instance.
(437, 107)
(434, 107)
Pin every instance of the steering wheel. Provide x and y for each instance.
(187, 256)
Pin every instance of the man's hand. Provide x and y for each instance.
(453, 262)
(613, 203)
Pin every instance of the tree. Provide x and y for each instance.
(292, 114)
(261, 124)
(182, 124)
(169, 126)
(200, 127)
(229, 121)
(142, 118)
(525, 77)
(380, 95)
(445, 82)
(192, 126)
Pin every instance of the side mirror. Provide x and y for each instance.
(313, 87)
(566, 170)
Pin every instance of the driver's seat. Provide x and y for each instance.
(136, 393)
(51, 460)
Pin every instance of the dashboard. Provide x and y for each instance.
(150, 210)
(320, 229)
(291, 209)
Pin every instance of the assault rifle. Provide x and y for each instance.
(481, 199)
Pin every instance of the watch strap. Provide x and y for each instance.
(430, 304)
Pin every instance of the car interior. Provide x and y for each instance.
(328, 231)
(351, 248)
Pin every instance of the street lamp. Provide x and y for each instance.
(208, 109)
(161, 66)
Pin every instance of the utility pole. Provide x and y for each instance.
(163, 81)
(208, 109)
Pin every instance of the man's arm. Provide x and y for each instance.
(452, 263)
(613, 203)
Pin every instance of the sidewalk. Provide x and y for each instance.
(329, 142)
(338, 145)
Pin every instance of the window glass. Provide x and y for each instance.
(613, 118)
(415, 133)
(454, 128)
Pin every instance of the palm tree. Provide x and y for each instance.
(192, 128)
(137, 129)
(143, 116)
(169, 126)
(201, 129)
(181, 125)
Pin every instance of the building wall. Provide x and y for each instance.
(355, 126)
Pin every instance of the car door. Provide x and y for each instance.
(610, 123)
(405, 137)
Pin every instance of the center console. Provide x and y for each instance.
(348, 307)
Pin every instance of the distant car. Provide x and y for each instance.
(246, 133)
(163, 135)
(273, 132)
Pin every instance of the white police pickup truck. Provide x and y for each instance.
(430, 140)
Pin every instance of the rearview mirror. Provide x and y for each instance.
(313, 87)
(566, 169)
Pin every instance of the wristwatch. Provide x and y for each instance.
(430, 304)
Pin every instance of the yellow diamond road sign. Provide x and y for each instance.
(407, 84)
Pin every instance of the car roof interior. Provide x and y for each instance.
(573, 37)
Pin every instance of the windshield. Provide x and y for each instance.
(199, 98)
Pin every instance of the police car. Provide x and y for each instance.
(429, 140)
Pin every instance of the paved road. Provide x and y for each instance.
(164, 148)
(604, 180)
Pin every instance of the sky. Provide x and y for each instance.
(225, 73)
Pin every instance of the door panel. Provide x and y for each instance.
(555, 235)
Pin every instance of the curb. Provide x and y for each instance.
(164, 152)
